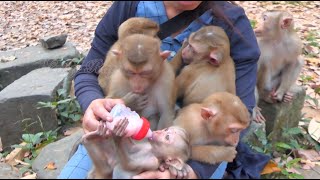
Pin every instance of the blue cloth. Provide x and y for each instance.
(78, 166)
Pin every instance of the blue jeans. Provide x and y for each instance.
(80, 164)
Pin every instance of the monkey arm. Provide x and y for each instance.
(213, 154)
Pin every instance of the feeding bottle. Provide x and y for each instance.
(138, 127)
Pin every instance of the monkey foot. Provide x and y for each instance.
(258, 117)
(102, 132)
(288, 97)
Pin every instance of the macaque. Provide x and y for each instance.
(210, 69)
(136, 71)
(214, 126)
(280, 61)
(169, 146)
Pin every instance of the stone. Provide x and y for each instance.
(31, 58)
(53, 41)
(7, 172)
(57, 152)
(283, 115)
(255, 134)
(18, 103)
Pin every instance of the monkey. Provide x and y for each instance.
(137, 72)
(170, 146)
(214, 126)
(210, 67)
(280, 61)
(134, 25)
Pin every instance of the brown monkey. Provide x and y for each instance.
(214, 126)
(210, 69)
(170, 146)
(136, 71)
(280, 61)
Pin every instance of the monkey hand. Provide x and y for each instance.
(257, 116)
(232, 152)
(119, 129)
(138, 101)
(101, 133)
(180, 172)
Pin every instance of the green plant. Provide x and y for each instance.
(67, 107)
(312, 38)
(253, 23)
(305, 79)
(283, 148)
(72, 62)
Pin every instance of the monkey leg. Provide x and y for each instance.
(289, 75)
(213, 154)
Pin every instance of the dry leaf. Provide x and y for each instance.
(70, 131)
(7, 58)
(271, 167)
(50, 166)
(307, 164)
(17, 153)
(314, 129)
(310, 154)
(314, 61)
(30, 176)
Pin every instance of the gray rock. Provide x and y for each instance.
(57, 152)
(255, 134)
(7, 172)
(283, 115)
(31, 58)
(53, 41)
(18, 103)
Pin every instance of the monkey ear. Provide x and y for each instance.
(286, 23)
(175, 162)
(215, 57)
(116, 52)
(207, 113)
(165, 54)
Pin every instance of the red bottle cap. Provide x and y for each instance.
(143, 131)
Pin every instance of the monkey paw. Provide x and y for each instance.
(257, 116)
(136, 101)
(232, 152)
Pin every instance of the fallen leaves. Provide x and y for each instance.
(314, 130)
(50, 166)
(16, 154)
(7, 58)
(271, 167)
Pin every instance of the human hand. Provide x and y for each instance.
(98, 110)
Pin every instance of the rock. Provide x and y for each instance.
(57, 152)
(255, 134)
(18, 103)
(53, 41)
(7, 172)
(283, 115)
(31, 58)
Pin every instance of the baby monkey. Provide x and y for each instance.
(127, 158)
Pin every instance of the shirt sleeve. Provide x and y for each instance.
(86, 85)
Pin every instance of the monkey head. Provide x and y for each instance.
(171, 144)
(273, 23)
(210, 43)
(138, 25)
(225, 116)
(141, 60)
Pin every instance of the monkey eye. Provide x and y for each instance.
(167, 137)
(166, 129)
(264, 17)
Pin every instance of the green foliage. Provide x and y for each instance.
(67, 107)
(72, 62)
(283, 148)
(253, 23)
(305, 79)
(33, 141)
(312, 38)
